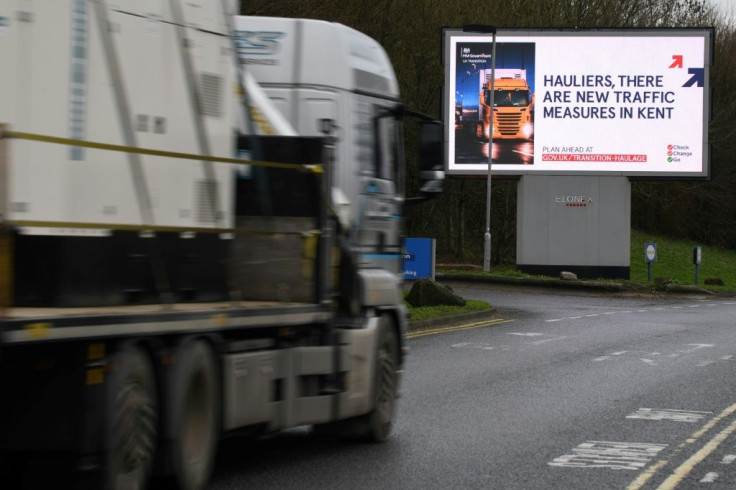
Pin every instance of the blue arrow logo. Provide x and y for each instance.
(698, 77)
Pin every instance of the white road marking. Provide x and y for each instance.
(461, 344)
(728, 459)
(481, 346)
(472, 345)
(603, 358)
(709, 477)
(721, 359)
(649, 356)
(682, 471)
(696, 347)
(544, 341)
(689, 416)
(661, 308)
(605, 454)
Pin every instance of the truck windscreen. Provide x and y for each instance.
(509, 98)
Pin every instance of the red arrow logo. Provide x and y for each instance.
(678, 61)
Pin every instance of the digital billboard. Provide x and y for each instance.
(626, 102)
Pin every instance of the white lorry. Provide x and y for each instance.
(157, 291)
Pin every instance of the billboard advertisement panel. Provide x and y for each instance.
(626, 102)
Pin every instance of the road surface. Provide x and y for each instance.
(558, 390)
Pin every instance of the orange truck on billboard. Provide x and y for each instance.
(513, 105)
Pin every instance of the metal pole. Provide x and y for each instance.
(487, 244)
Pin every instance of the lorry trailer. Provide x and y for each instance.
(200, 235)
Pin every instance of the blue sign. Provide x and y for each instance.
(418, 258)
(650, 252)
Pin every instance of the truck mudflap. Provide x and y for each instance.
(356, 400)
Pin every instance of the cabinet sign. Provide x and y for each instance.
(627, 102)
(419, 258)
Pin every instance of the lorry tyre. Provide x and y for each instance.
(376, 425)
(197, 405)
(133, 428)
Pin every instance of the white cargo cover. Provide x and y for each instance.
(56, 82)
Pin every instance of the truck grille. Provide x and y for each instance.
(508, 124)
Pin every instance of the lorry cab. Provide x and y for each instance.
(330, 80)
(512, 108)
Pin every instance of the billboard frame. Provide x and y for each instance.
(451, 36)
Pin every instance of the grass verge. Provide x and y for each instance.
(674, 260)
(427, 312)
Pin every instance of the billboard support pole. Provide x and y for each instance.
(487, 238)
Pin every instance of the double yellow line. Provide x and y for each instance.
(466, 326)
(682, 471)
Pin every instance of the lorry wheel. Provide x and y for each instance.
(134, 421)
(198, 406)
(376, 425)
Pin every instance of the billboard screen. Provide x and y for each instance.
(579, 102)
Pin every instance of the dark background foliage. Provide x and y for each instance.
(410, 31)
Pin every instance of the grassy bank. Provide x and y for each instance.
(427, 312)
(674, 260)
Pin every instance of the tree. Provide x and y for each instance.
(410, 31)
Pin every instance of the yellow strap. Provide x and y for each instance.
(162, 229)
(314, 169)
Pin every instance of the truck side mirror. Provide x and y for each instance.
(431, 157)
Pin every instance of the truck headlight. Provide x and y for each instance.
(528, 130)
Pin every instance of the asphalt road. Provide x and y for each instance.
(559, 390)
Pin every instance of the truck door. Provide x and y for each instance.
(380, 199)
